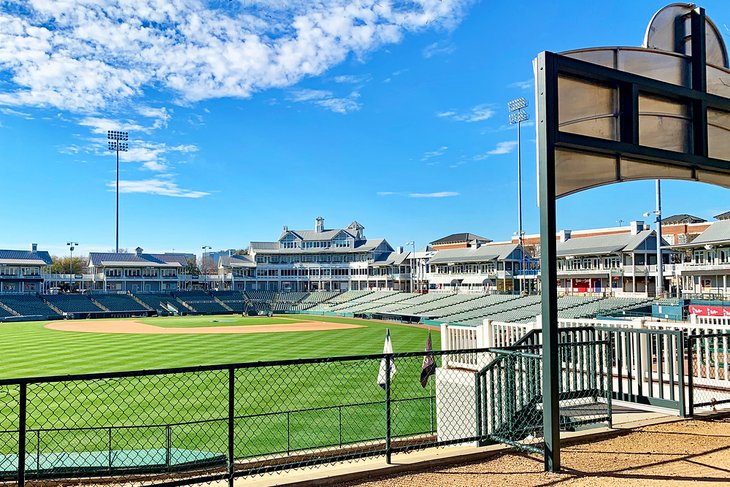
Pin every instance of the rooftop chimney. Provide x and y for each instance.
(286, 228)
(34, 247)
(138, 251)
(565, 235)
(636, 227)
(399, 250)
(319, 225)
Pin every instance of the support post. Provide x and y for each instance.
(547, 90)
(388, 358)
(231, 424)
(22, 416)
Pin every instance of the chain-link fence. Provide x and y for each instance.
(708, 359)
(205, 424)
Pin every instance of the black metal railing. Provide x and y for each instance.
(216, 423)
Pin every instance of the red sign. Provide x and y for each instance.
(703, 310)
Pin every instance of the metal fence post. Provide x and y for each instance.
(478, 405)
(690, 378)
(680, 372)
(231, 428)
(388, 358)
(22, 413)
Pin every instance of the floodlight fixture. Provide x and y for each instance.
(517, 104)
(117, 140)
(71, 245)
(412, 243)
(517, 115)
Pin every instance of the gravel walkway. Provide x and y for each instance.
(693, 452)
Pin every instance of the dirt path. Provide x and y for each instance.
(695, 452)
(136, 327)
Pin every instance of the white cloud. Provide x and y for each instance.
(327, 100)
(99, 125)
(438, 48)
(477, 113)
(160, 115)
(522, 85)
(352, 79)
(435, 153)
(387, 193)
(85, 55)
(505, 147)
(156, 186)
(439, 194)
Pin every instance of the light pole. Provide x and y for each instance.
(412, 243)
(659, 264)
(202, 265)
(517, 115)
(71, 246)
(118, 143)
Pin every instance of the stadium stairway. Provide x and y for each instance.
(9, 310)
(104, 308)
(141, 303)
(184, 305)
(53, 307)
(224, 305)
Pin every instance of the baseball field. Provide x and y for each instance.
(278, 409)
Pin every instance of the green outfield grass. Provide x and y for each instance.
(278, 408)
(29, 350)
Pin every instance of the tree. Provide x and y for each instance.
(191, 268)
(64, 265)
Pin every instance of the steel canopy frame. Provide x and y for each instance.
(548, 68)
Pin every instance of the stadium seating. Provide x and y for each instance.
(5, 313)
(28, 305)
(118, 302)
(200, 302)
(157, 301)
(70, 303)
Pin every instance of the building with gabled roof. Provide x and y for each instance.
(707, 266)
(21, 271)
(459, 241)
(612, 263)
(481, 268)
(139, 271)
(327, 259)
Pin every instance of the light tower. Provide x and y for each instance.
(118, 142)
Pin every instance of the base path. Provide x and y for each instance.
(136, 327)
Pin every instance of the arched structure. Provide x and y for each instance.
(605, 115)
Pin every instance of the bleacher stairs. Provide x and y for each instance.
(104, 308)
(141, 303)
(9, 310)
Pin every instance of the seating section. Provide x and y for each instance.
(453, 308)
(157, 301)
(118, 302)
(70, 303)
(233, 299)
(28, 305)
(200, 302)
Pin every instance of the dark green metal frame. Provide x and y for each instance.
(549, 67)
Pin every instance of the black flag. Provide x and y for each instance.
(429, 364)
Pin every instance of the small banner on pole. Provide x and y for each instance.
(387, 349)
(429, 364)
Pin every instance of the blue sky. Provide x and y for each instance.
(248, 115)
